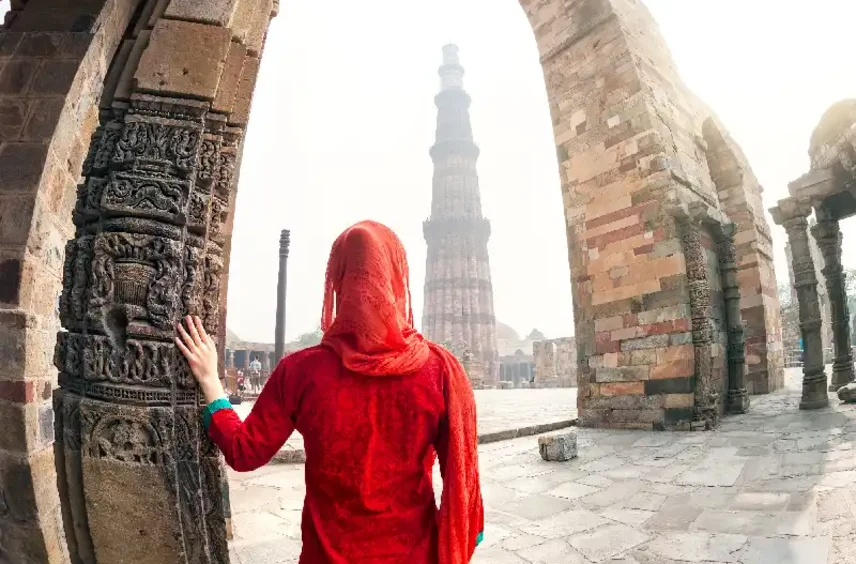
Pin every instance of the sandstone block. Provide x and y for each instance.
(623, 389)
(21, 166)
(18, 423)
(681, 338)
(44, 116)
(244, 96)
(16, 76)
(644, 357)
(847, 393)
(230, 79)
(183, 58)
(18, 391)
(621, 374)
(652, 342)
(39, 45)
(15, 213)
(13, 114)
(669, 386)
(558, 448)
(677, 369)
(216, 12)
(55, 77)
(678, 400)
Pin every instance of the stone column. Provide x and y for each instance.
(230, 363)
(706, 408)
(828, 236)
(814, 394)
(738, 398)
(139, 478)
(281, 287)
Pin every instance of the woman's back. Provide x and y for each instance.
(370, 447)
(373, 402)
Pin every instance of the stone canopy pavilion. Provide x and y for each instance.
(829, 191)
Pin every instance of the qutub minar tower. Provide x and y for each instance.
(458, 293)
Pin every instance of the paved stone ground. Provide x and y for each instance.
(774, 486)
(498, 410)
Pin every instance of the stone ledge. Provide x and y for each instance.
(298, 456)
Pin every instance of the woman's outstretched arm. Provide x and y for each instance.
(249, 444)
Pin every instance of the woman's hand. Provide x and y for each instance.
(201, 353)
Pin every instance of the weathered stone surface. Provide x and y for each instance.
(847, 393)
(558, 448)
(230, 79)
(184, 59)
(219, 12)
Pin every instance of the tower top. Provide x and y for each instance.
(451, 72)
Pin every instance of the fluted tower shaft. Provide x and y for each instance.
(458, 308)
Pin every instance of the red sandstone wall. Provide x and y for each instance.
(630, 147)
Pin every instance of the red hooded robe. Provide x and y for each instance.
(375, 403)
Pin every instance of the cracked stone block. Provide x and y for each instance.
(558, 448)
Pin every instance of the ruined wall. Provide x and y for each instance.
(630, 148)
(555, 362)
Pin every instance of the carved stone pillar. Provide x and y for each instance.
(140, 480)
(230, 363)
(281, 288)
(814, 394)
(706, 408)
(738, 398)
(147, 252)
(828, 236)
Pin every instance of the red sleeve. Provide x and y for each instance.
(253, 443)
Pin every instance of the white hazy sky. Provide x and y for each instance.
(343, 118)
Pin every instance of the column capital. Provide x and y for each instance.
(790, 213)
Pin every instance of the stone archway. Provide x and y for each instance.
(149, 98)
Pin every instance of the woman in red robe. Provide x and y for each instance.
(375, 403)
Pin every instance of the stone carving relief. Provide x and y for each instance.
(148, 251)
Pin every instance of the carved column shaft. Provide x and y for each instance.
(281, 288)
(828, 236)
(738, 398)
(814, 394)
(706, 398)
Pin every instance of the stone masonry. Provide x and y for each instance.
(121, 125)
(458, 292)
(636, 151)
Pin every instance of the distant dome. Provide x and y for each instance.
(504, 331)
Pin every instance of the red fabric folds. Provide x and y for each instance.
(367, 320)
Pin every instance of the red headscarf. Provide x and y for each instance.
(368, 320)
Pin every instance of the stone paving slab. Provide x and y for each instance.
(785, 495)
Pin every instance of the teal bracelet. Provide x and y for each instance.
(480, 538)
(213, 408)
